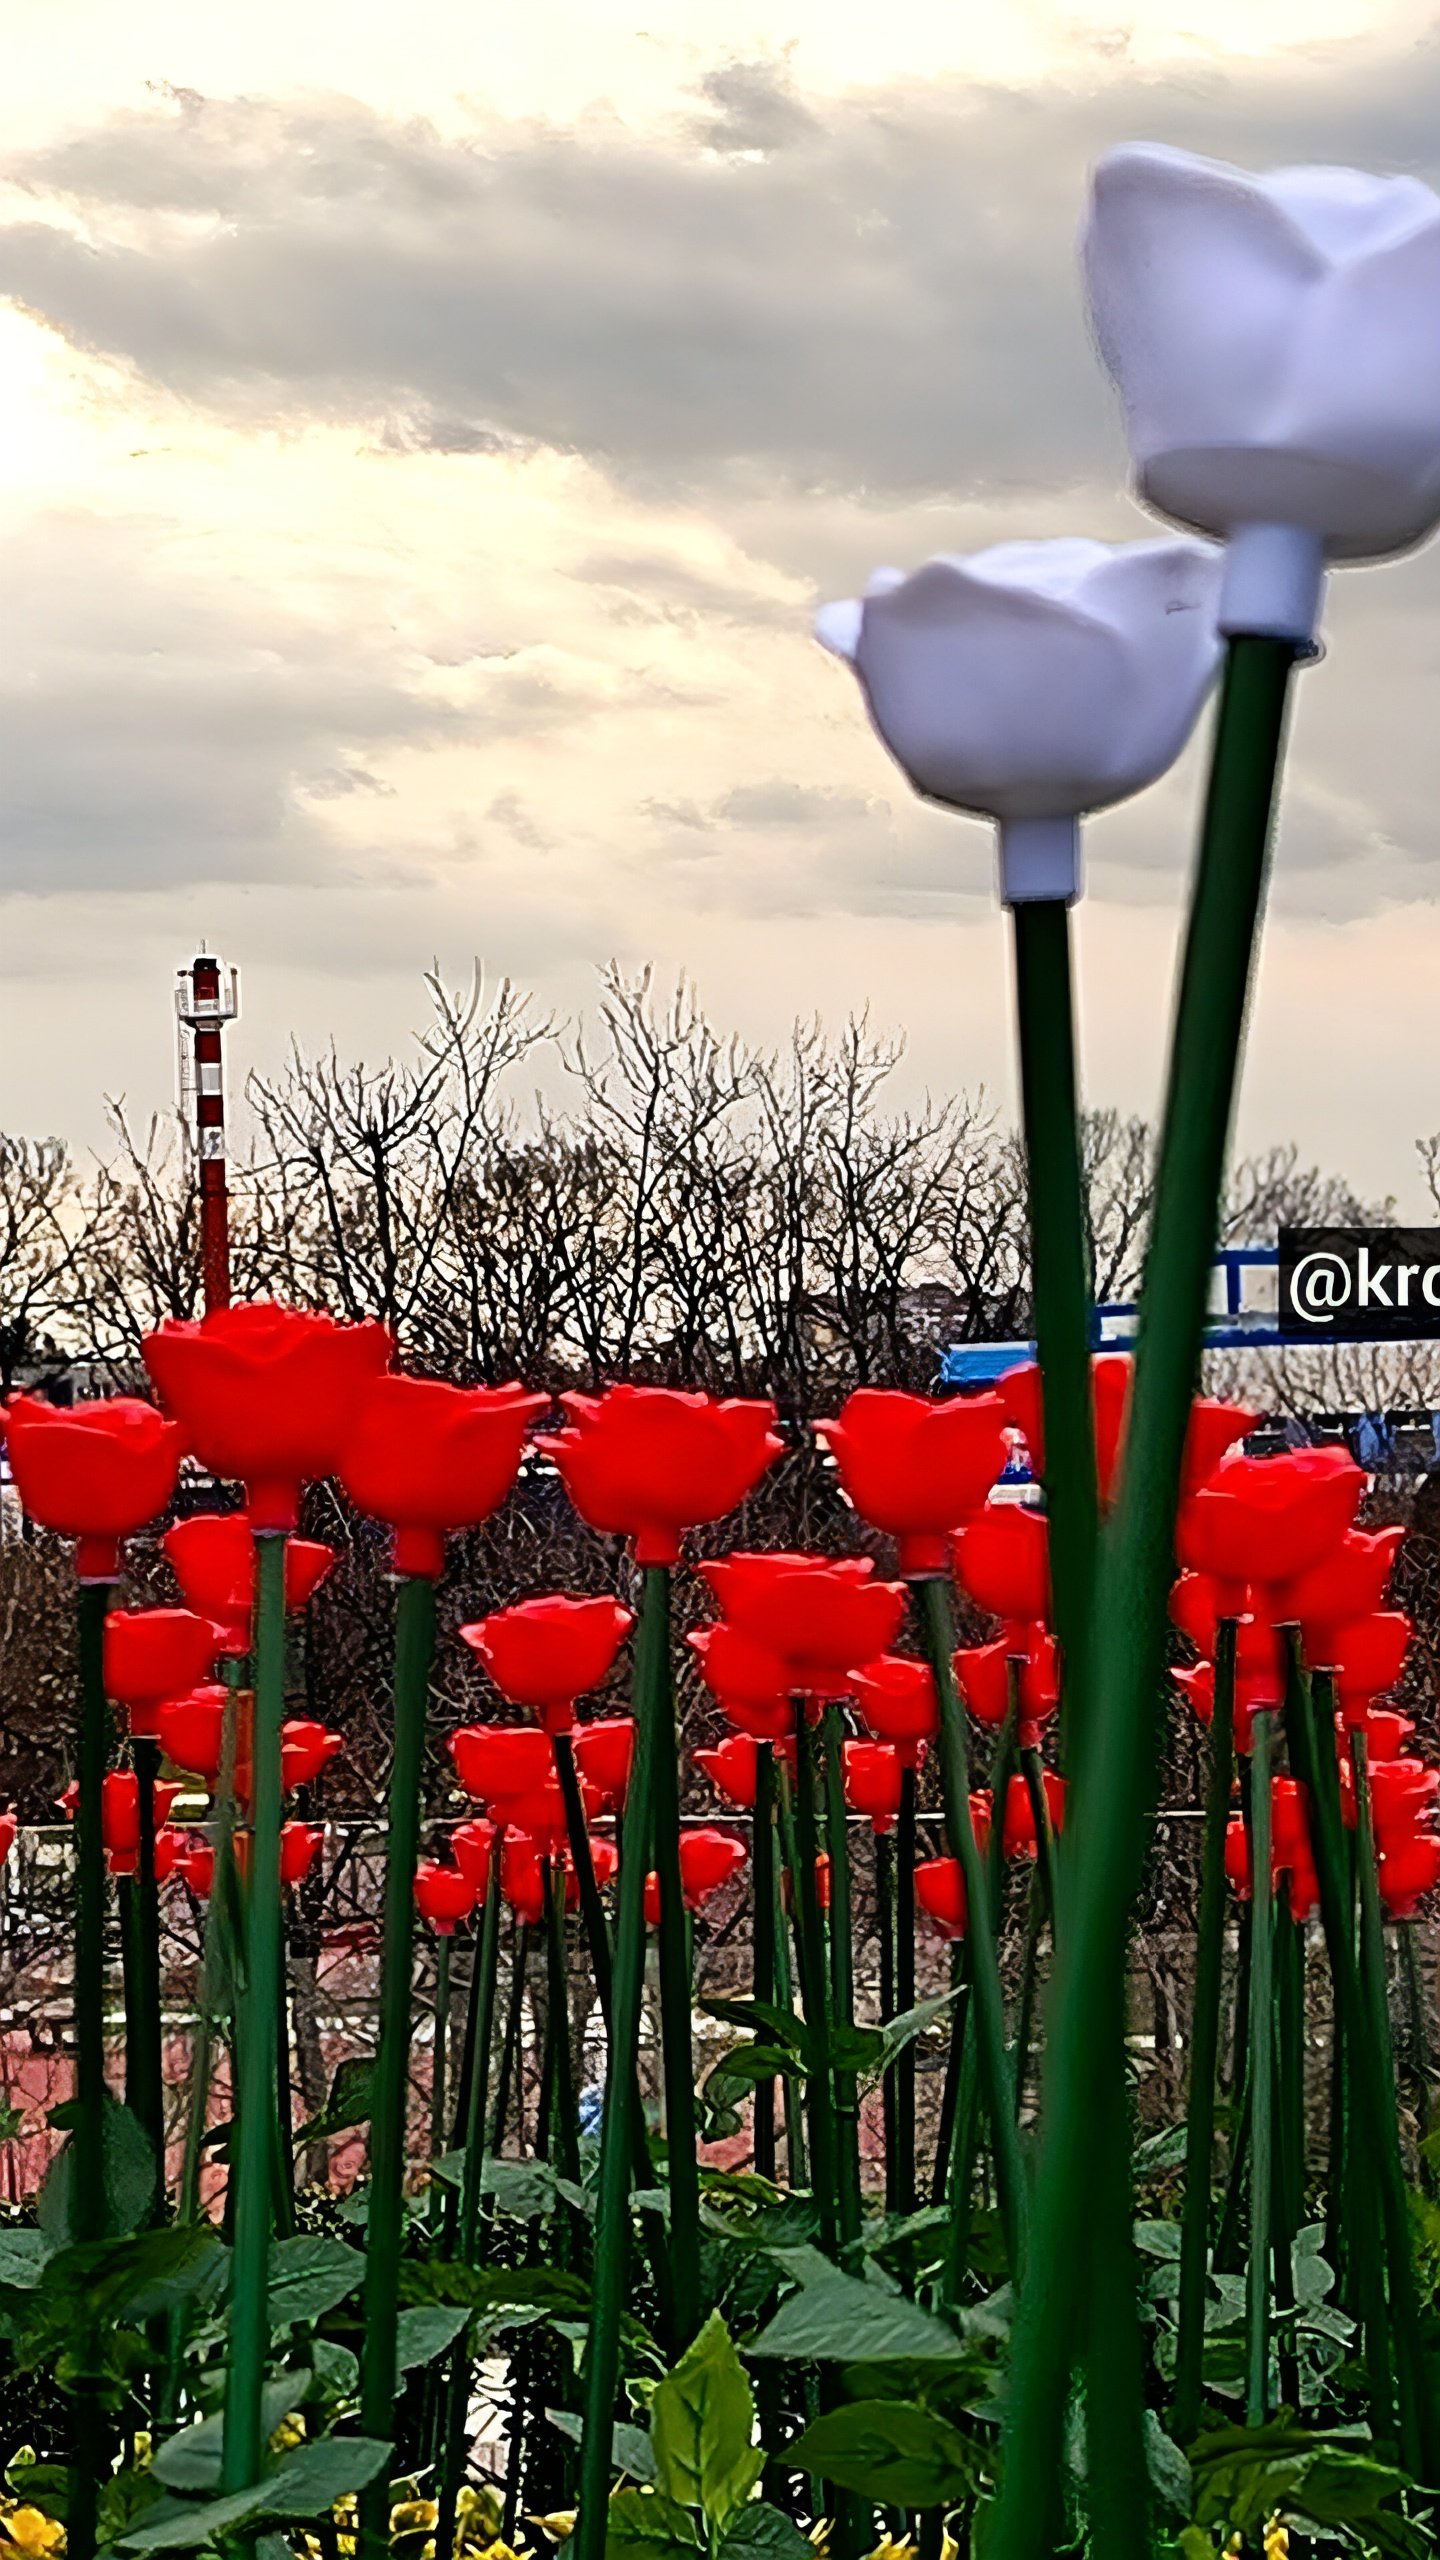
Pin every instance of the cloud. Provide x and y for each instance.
(877, 293)
(160, 726)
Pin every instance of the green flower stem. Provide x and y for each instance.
(439, 2072)
(592, 1909)
(814, 1990)
(796, 2166)
(1374, 2148)
(656, 1702)
(885, 1920)
(1262, 2084)
(557, 1986)
(1059, 1261)
(1418, 2032)
(244, 2447)
(1205, 2046)
(954, 2073)
(1377, 2063)
(455, 2435)
(1033, 1771)
(987, 1998)
(414, 1653)
(87, 2141)
(763, 1980)
(1029, 1973)
(150, 2088)
(1289, 2149)
(510, 2041)
(284, 2096)
(842, 1986)
(654, 1733)
(1116, 1773)
(904, 2075)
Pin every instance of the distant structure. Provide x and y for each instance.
(207, 996)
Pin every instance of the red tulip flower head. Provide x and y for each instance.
(708, 1859)
(1020, 1839)
(540, 1813)
(741, 1672)
(774, 1722)
(983, 1674)
(493, 1760)
(1003, 1560)
(300, 1845)
(93, 1472)
(897, 1702)
(604, 1752)
(120, 1818)
(940, 1894)
(1213, 1427)
(1407, 1872)
(548, 1652)
(266, 1394)
(523, 1875)
(651, 1462)
(189, 1730)
(917, 1469)
(732, 1766)
(1386, 1733)
(8, 1828)
(212, 1556)
(872, 1782)
(1348, 1583)
(152, 1655)
(472, 1847)
(819, 1618)
(427, 1458)
(444, 1896)
(1268, 1520)
(306, 1750)
(1368, 1657)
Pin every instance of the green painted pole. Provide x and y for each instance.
(1205, 2046)
(414, 1654)
(986, 1996)
(455, 2445)
(905, 2157)
(87, 2141)
(557, 1989)
(762, 1971)
(1060, 1280)
(815, 1992)
(1262, 2080)
(788, 1864)
(884, 1856)
(244, 2446)
(676, 1996)
(150, 2085)
(1117, 1767)
(612, 2214)
(842, 1986)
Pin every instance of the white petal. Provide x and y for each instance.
(837, 627)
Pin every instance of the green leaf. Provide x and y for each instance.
(23, 2257)
(523, 2188)
(759, 2532)
(779, 2026)
(1161, 2151)
(833, 2314)
(307, 2483)
(309, 2276)
(913, 2023)
(702, 2425)
(425, 2331)
(191, 2459)
(335, 2371)
(126, 2282)
(129, 2173)
(352, 2096)
(892, 2451)
(1168, 2470)
(630, 2447)
(641, 2525)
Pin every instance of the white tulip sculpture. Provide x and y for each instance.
(1274, 341)
(1036, 681)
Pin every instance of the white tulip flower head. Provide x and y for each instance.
(1036, 681)
(1276, 345)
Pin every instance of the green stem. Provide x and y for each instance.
(842, 1985)
(150, 2089)
(1117, 1768)
(905, 1993)
(244, 2445)
(414, 1652)
(762, 1860)
(1029, 1970)
(987, 1998)
(884, 1853)
(1205, 2045)
(510, 2042)
(439, 2052)
(1379, 2069)
(558, 1995)
(87, 2141)
(788, 1864)
(676, 1998)
(1289, 2163)
(954, 2074)
(1060, 1280)
(653, 1734)
(472, 2134)
(1032, 1769)
(1261, 2067)
(814, 1988)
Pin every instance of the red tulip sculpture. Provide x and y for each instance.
(212, 1556)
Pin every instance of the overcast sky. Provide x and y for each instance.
(423, 443)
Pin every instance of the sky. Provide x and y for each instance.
(425, 436)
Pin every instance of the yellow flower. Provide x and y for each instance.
(560, 2526)
(887, 2548)
(28, 2531)
(1277, 2539)
(289, 2433)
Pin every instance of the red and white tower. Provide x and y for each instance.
(207, 996)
